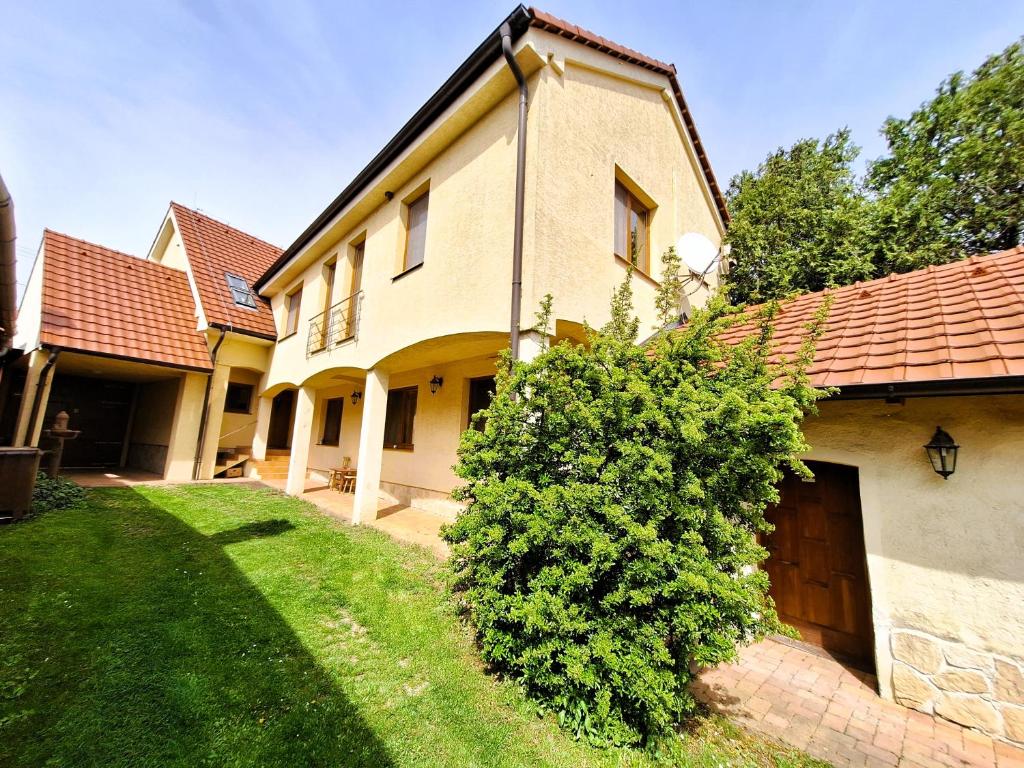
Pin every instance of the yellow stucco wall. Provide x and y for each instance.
(945, 560)
(237, 429)
(596, 115)
(154, 411)
(589, 113)
(440, 420)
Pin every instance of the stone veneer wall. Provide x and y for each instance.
(974, 688)
(151, 458)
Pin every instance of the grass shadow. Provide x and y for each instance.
(127, 637)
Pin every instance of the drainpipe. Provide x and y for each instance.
(517, 237)
(37, 398)
(206, 406)
(8, 265)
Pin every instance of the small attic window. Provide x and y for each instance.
(240, 291)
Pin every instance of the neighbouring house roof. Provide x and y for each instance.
(489, 51)
(953, 323)
(104, 302)
(215, 250)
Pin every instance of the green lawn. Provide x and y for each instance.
(222, 625)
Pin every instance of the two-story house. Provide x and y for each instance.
(393, 305)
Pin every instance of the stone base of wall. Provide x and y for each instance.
(438, 502)
(151, 458)
(974, 688)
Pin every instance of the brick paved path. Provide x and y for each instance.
(813, 703)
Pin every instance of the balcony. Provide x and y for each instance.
(336, 326)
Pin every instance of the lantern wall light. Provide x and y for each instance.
(435, 384)
(356, 396)
(942, 450)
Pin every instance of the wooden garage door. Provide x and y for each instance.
(816, 562)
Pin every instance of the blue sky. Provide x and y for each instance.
(259, 113)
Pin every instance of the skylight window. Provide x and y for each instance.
(240, 291)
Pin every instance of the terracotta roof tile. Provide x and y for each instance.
(963, 320)
(103, 301)
(215, 249)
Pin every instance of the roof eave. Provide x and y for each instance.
(988, 385)
(468, 72)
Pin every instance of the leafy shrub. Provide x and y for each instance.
(55, 493)
(612, 504)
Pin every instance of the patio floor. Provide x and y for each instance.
(109, 478)
(814, 703)
(408, 524)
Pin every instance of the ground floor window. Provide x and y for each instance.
(481, 390)
(331, 432)
(238, 398)
(399, 419)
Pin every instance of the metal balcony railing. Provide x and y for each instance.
(337, 325)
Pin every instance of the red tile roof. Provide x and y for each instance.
(214, 249)
(562, 28)
(106, 302)
(963, 320)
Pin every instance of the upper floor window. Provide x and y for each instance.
(293, 302)
(399, 418)
(631, 220)
(416, 232)
(240, 291)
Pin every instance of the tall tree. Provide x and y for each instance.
(799, 223)
(953, 182)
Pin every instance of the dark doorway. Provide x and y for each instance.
(280, 433)
(101, 409)
(817, 563)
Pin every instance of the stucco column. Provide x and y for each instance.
(531, 344)
(302, 430)
(264, 408)
(214, 418)
(371, 446)
(184, 435)
(37, 359)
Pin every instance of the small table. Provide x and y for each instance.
(343, 479)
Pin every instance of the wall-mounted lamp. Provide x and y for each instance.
(942, 449)
(435, 384)
(356, 396)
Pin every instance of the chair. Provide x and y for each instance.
(343, 480)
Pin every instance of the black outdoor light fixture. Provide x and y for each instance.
(435, 384)
(356, 396)
(942, 453)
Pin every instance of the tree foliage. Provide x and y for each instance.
(951, 185)
(953, 182)
(799, 222)
(612, 501)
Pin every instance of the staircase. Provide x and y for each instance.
(274, 467)
(238, 456)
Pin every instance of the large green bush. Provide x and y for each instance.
(612, 504)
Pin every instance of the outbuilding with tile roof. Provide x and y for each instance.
(904, 555)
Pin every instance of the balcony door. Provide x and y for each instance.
(354, 288)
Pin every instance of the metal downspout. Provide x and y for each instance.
(517, 237)
(8, 265)
(38, 396)
(206, 407)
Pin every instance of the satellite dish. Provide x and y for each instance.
(697, 252)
